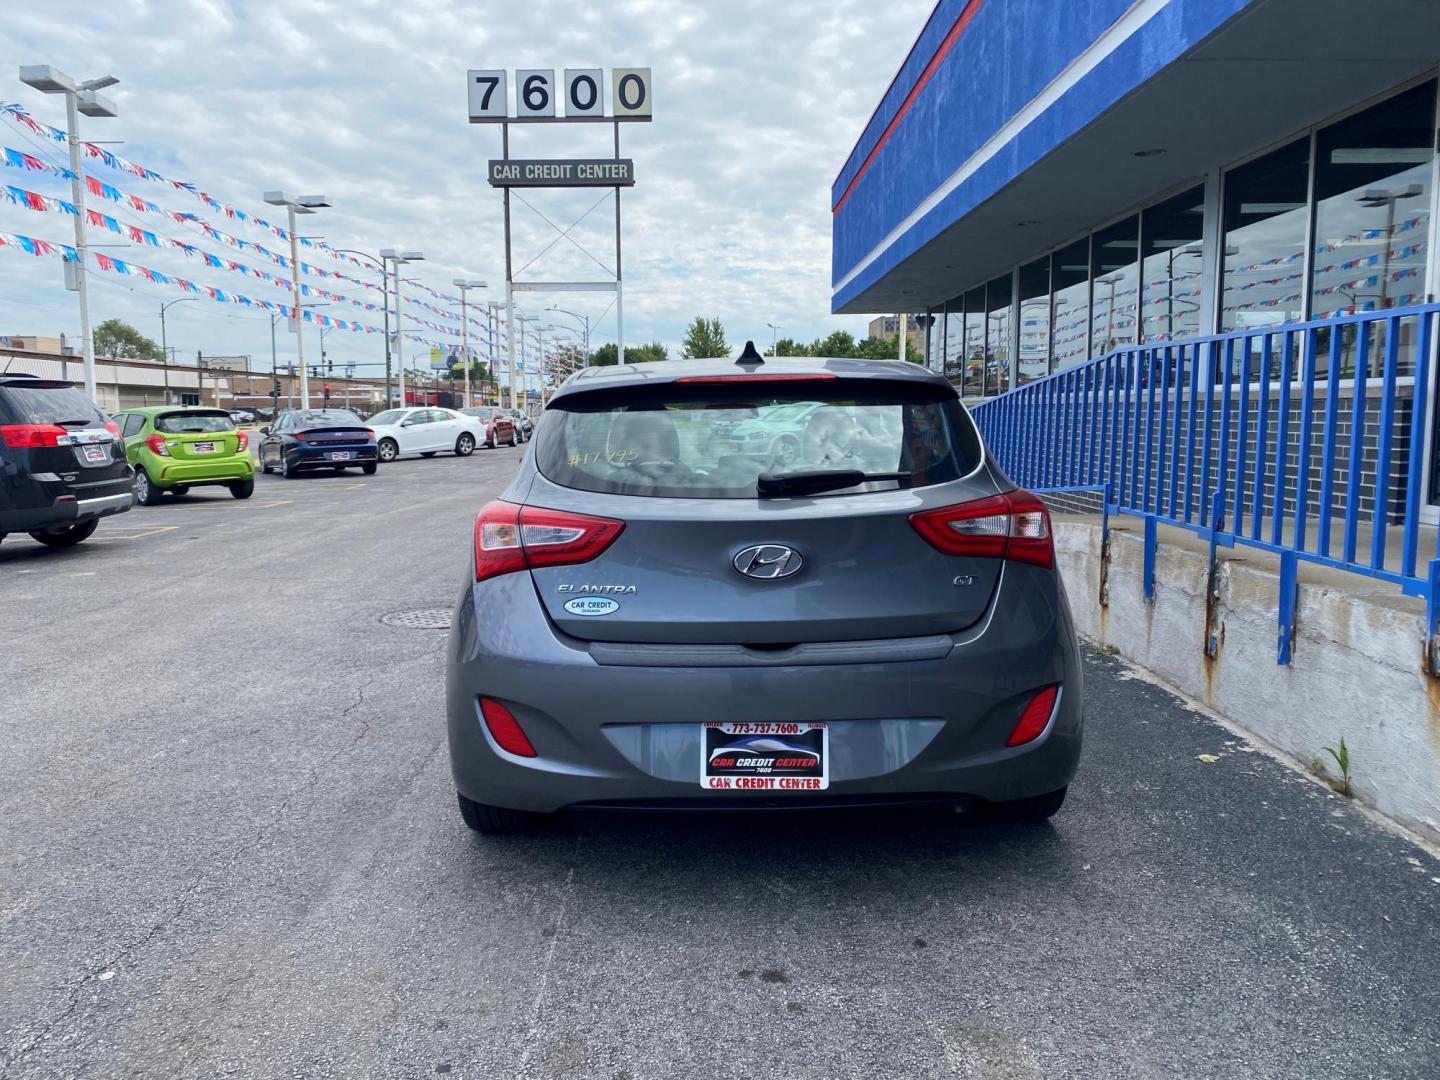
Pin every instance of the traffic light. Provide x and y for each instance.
(275, 390)
(327, 392)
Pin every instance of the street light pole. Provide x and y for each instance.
(464, 285)
(774, 340)
(389, 256)
(305, 204)
(79, 98)
(164, 342)
(585, 319)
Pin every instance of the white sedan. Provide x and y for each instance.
(425, 431)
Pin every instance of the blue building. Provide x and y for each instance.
(1053, 180)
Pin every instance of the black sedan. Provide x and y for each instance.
(303, 439)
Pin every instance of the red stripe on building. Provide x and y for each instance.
(961, 22)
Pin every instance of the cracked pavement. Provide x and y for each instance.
(229, 848)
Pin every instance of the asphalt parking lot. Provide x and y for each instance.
(231, 849)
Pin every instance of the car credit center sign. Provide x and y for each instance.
(563, 172)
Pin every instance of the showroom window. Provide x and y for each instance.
(972, 354)
(1115, 296)
(1171, 267)
(1372, 206)
(998, 296)
(1034, 320)
(954, 336)
(1070, 277)
(1265, 219)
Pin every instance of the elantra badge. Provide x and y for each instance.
(769, 561)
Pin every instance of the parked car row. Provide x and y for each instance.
(64, 464)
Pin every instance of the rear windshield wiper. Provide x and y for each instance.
(813, 483)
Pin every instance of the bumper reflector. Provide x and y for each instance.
(505, 729)
(1035, 717)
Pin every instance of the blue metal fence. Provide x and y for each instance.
(1294, 439)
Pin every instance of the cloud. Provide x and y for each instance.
(757, 104)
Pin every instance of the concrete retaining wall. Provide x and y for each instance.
(1357, 669)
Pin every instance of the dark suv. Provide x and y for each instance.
(61, 466)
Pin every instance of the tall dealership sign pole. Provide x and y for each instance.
(535, 98)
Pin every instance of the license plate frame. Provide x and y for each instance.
(94, 454)
(203, 447)
(766, 758)
(341, 455)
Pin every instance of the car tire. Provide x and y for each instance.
(1035, 809)
(369, 468)
(265, 467)
(496, 820)
(180, 489)
(66, 536)
(515, 436)
(146, 493)
(389, 449)
(242, 489)
(490, 443)
(287, 470)
(465, 444)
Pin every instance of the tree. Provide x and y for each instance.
(606, 355)
(704, 338)
(121, 341)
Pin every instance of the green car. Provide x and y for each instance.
(177, 447)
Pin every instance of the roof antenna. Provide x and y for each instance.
(750, 355)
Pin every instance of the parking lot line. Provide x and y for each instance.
(146, 531)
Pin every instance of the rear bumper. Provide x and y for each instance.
(911, 730)
(166, 473)
(303, 456)
(58, 513)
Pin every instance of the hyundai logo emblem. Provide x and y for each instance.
(769, 561)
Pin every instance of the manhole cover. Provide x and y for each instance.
(420, 619)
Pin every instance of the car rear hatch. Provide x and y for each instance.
(706, 557)
(61, 432)
(193, 436)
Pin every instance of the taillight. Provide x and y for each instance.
(1012, 526)
(242, 442)
(112, 427)
(28, 436)
(369, 435)
(505, 729)
(510, 538)
(157, 445)
(1035, 717)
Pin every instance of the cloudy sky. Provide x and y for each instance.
(756, 105)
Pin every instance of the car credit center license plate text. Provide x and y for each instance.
(789, 757)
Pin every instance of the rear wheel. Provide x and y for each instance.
(1034, 809)
(264, 465)
(242, 489)
(180, 489)
(66, 536)
(369, 468)
(465, 444)
(287, 470)
(497, 820)
(389, 449)
(146, 493)
(515, 436)
(490, 442)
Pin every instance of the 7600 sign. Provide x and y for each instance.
(538, 98)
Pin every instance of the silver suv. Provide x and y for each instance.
(660, 613)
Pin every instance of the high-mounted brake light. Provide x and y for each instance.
(29, 436)
(1035, 717)
(156, 443)
(510, 538)
(505, 729)
(1014, 526)
(756, 378)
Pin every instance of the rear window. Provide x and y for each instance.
(716, 442)
(191, 423)
(47, 405)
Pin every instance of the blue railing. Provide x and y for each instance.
(1296, 439)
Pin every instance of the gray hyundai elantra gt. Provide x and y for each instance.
(760, 585)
